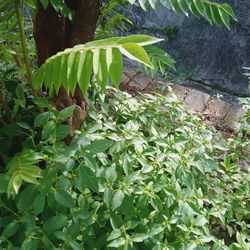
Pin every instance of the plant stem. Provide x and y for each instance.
(24, 47)
(7, 208)
(17, 59)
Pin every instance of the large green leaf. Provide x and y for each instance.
(72, 66)
(203, 8)
(22, 168)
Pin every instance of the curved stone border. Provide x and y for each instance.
(198, 101)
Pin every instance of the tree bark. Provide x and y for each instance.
(53, 32)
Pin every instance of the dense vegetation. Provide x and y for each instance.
(140, 173)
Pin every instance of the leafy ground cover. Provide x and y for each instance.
(142, 173)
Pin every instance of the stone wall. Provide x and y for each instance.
(227, 112)
(214, 55)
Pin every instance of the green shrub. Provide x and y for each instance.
(141, 174)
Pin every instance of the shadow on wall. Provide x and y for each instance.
(218, 53)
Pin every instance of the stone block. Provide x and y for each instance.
(197, 100)
(233, 115)
(140, 82)
(217, 108)
(128, 75)
(180, 91)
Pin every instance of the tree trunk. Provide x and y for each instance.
(53, 32)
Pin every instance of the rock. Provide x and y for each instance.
(233, 115)
(180, 91)
(128, 75)
(140, 82)
(245, 164)
(197, 100)
(218, 108)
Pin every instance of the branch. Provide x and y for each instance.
(24, 47)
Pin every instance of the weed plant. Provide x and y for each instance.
(143, 173)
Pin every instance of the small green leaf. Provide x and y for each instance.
(153, 3)
(60, 74)
(141, 40)
(29, 244)
(107, 197)
(139, 237)
(136, 53)
(11, 130)
(114, 235)
(39, 78)
(10, 230)
(117, 243)
(193, 9)
(55, 223)
(74, 245)
(229, 10)
(55, 79)
(166, 4)
(143, 4)
(88, 178)
(84, 70)
(200, 221)
(64, 199)
(41, 119)
(41, 102)
(115, 65)
(184, 6)
(14, 184)
(175, 6)
(100, 67)
(118, 199)
(224, 17)
(66, 112)
(39, 203)
(208, 13)
(215, 14)
(23, 125)
(71, 72)
(62, 131)
(199, 6)
(64, 72)
(48, 132)
(99, 146)
(48, 74)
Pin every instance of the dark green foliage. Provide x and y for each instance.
(148, 176)
(140, 174)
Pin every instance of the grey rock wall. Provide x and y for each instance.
(213, 54)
